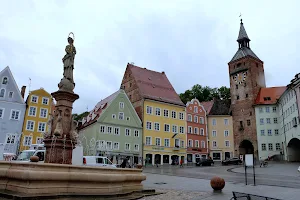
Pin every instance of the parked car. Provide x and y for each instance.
(99, 161)
(205, 162)
(234, 160)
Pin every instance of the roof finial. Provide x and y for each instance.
(241, 18)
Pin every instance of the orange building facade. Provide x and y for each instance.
(196, 131)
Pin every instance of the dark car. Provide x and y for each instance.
(230, 161)
(205, 162)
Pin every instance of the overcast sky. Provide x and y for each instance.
(191, 40)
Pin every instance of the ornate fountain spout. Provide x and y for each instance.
(63, 127)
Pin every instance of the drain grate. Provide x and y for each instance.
(160, 183)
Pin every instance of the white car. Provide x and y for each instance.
(100, 161)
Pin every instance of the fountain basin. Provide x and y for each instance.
(61, 179)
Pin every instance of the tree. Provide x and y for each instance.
(205, 93)
(80, 116)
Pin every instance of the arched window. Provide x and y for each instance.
(4, 80)
(2, 92)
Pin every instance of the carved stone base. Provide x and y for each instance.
(58, 151)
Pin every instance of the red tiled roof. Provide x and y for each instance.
(154, 85)
(98, 110)
(269, 95)
(207, 105)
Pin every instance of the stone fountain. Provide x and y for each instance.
(57, 176)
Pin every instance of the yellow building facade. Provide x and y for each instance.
(220, 136)
(39, 105)
(164, 133)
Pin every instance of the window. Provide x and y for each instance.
(149, 110)
(226, 133)
(10, 138)
(10, 95)
(32, 111)
(190, 129)
(277, 145)
(248, 122)
(176, 142)
(121, 105)
(34, 99)
(113, 116)
(236, 87)
(189, 117)
(182, 143)
(195, 109)
(109, 129)
(166, 113)
(148, 140)
(214, 133)
(174, 114)
(197, 143)
(127, 132)
(196, 130)
(2, 92)
(157, 111)
(201, 119)
(269, 132)
(275, 120)
(274, 109)
(127, 146)
(190, 143)
(181, 116)
(39, 140)
(156, 126)
(116, 145)
(270, 145)
(262, 132)
(121, 115)
(157, 141)
(44, 112)
(167, 128)
(267, 109)
(42, 127)
(196, 119)
(102, 129)
(117, 131)
(268, 121)
(202, 144)
(214, 122)
(1, 113)
(263, 147)
(136, 133)
(4, 80)
(237, 97)
(214, 144)
(174, 129)
(127, 118)
(30, 125)
(246, 95)
(109, 145)
(15, 114)
(225, 121)
(167, 142)
(45, 101)
(201, 131)
(261, 120)
(27, 141)
(149, 125)
(181, 129)
(276, 131)
(260, 110)
(136, 147)
(227, 143)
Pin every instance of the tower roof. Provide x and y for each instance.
(242, 33)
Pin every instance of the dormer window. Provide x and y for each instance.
(4, 80)
(2, 92)
(267, 98)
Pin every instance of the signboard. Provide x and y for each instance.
(158, 148)
(249, 160)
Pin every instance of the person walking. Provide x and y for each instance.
(181, 162)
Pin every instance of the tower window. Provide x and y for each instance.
(241, 123)
(248, 122)
(245, 84)
(237, 97)
(250, 113)
(246, 95)
(236, 87)
(256, 65)
(238, 65)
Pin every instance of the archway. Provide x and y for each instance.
(157, 159)
(246, 147)
(148, 159)
(293, 150)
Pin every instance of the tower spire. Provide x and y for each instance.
(243, 38)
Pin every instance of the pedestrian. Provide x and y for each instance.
(156, 161)
(181, 162)
(261, 162)
(124, 163)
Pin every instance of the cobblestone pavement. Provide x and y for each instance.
(276, 174)
(176, 195)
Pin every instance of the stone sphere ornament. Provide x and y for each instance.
(217, 183)
(34, 159)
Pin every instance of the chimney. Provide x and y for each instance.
(23, 89)
(163, 72)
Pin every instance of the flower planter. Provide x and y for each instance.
(217, 183)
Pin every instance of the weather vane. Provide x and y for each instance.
(240, 17)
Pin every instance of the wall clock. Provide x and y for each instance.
(240, 77)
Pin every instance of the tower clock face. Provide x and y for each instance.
(240, 77)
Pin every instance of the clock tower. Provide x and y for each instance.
(246, 72)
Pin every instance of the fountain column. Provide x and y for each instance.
(61, 138)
